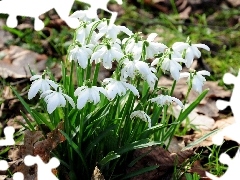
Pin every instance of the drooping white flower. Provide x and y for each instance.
(173, 66)
(133, 47)
(153, 47)
(40, 84)
(56, 99)
(111, 31)
(114, 87)
(85, 15)
(191, 51)
(80, 55)
(166, 100)
(141, 115)
(108, 53)
(131, 68)
(86, 94)
(197, 79)
(83, 33)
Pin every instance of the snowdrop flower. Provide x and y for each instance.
(112, 31)
(197, 79)
(141, 115)
(81, 55)
(191, 51)
(173, 66)
(82, 34)
(40, 84)
(114, 87)
(166, 100)
(86, 94)
(153, 48)
(130, 69)
(85, 15)
(133, 47)
(108, 53)
(56, 99)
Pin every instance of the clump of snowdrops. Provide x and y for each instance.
(105, 120)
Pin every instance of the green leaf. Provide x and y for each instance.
(192, 106)
(76, 149)
(136, 145)
(30, 126)
(109, 157)
(200, 140)
(99, 138)
(140, 171)
(148, 132)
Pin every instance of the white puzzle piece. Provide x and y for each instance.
(35, 8)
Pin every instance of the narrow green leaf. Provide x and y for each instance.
(30, 126)
(99, 138)
(76, 149)
(200, 140)
(193, 105)
(109, 157)
(141, 171)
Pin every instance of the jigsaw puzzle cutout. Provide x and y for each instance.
(233, 167)
(232, 131)
(44, 171)
(35, 8)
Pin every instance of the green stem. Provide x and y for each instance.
(95, 76)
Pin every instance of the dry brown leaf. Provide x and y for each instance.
(14, 122)
(44, 147)
(157, 155)
(176, 144)
(215, 91)
(234, 3)
(198, 120)
(14, 154)
(209, 109)
(222, 123)
(197, 168)
(97, 175)
(17, 61)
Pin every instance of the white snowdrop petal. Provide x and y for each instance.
(196, 52)
(132, 88)
(82, 99)
(79, 90)
(52, 83)
(155, 62)
(35, 87)
(70, 100)
(52, 104)
(180, 46)
(34, 77)
(125, 30)
(151, 36)
(204, 72)
(204, 46)
(189, 58)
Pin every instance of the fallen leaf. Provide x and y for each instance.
(234, 3)
(97, 175)
(17, 61)
(198, 120)
(156, 155)
(176, 144)
(44, 147)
